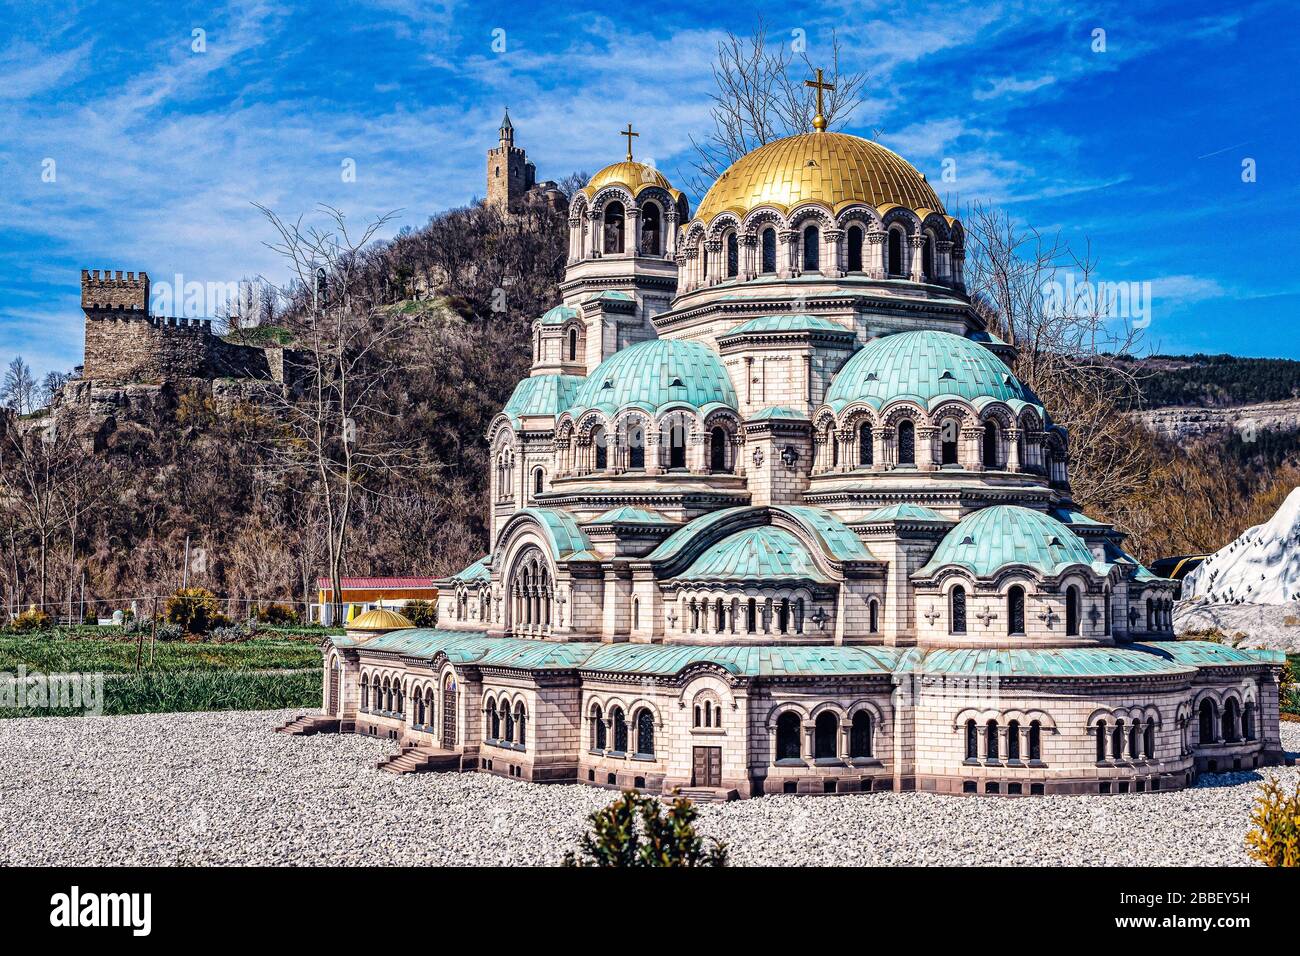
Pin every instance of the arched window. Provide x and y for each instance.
(787, 736)
(906, 443)
(508, 716)
(1248, 721)
(614, 227)
(428, 706)
(991, 443)
(539, 479)
(365, 692)
(825, 732)
(733, 256)
(677, 446)
(866, 453)
(494, 720)
(1208, 722)
(768, 240)
(894, 267)
(860, 735)
(521, 725)
(636, 614)
(1149, 739)
(958, 610)
(1072, 611)
(972, 741)
(718, 450)
(1150, 616)
(419, 710)
(1134, 732)
(1016, 610)
(812, 249)
(991, 740)
(854, 249)
(645, 733)
(1230, 714)
(751, 616)
(1101, 741)
(873, 616)
(620, 731)
(573, 345)
(927, 258)
(1117, 741)
(650, 230)
(600, 443)
(1013, 740)
(1035, 741)
(1105, 610)
(948, 442)
(636, 448)
(597, 729)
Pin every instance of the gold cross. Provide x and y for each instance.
(819, 121)
(629, 134)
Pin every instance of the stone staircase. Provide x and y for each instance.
(304, 725)
(704, 795)
(418, 758)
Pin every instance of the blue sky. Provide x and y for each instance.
(159, 151)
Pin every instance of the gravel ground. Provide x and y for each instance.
(221, 788)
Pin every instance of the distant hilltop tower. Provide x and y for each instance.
(509, 173)
(512, 179)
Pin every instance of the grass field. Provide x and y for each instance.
(160, 692)
(271, 672)
(50, 653)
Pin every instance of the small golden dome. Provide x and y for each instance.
(635, 176)
(833, 168)
(379, 619)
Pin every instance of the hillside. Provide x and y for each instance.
(1216, 381)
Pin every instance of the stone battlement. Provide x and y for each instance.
(106, 290)
(124, 343)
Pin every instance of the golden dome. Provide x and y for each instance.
(379, 619)
(833, 168)
(635, 176)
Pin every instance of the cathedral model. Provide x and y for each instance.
(772, 514)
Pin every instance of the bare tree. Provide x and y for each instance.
(761, 96)
(1041, 296)
(348, 343)
(19, 390)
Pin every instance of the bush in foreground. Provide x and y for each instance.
(661, 839)
(1274, 838)
(194, 609)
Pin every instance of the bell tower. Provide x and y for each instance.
(509, 173)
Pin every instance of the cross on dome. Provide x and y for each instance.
(629, 134)
(819, 121)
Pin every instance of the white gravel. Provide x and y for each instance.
(221, 788)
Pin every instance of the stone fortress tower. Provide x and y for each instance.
(512, 177)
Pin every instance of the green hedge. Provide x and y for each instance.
(161, 692)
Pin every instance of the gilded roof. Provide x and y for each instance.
(635, 176)
(379, 619)
(833, 168)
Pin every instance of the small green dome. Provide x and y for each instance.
(925, 367)
(992, 538)
(541, 395)
(764, 553)
(654, 375)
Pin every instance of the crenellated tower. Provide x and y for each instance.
(509, 173)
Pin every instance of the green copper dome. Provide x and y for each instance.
(925, 367)
(763, 553)
(541, 395)
(992, 538)
(655, 375)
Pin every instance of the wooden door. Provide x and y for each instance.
(706, 769)
(448, 717)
